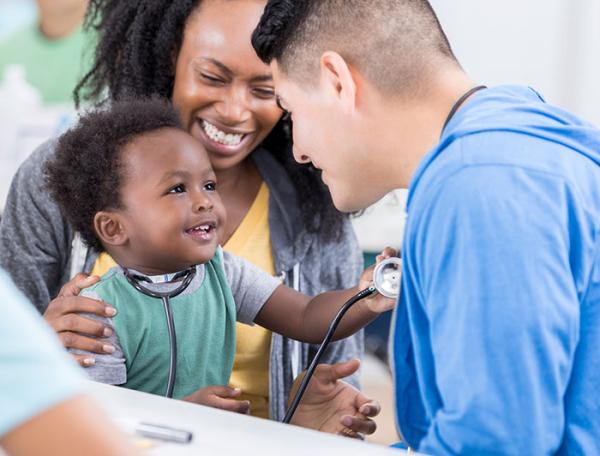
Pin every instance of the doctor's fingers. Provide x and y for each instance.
(74, 286)
(358, 424)
(367, 407)
(339, 370)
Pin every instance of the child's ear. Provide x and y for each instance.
(109, 228)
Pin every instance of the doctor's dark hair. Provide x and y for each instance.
(138, 43)
(84, 176)
(392, 42)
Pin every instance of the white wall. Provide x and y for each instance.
(551, 45)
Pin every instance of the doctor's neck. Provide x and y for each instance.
(409, 126)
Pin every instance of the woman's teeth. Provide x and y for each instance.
(227, 139)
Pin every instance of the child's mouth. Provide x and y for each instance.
(202, 232)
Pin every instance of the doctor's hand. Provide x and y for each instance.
(221, 397)
(334, 406)
(73, 329)
(377, 303)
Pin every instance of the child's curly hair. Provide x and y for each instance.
(84, 175)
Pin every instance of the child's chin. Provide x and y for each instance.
(206, 256)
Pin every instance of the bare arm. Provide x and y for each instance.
(299, 317)
(72, 428)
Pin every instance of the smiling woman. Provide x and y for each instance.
(279, 213)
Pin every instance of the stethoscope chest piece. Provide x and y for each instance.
(387, 277)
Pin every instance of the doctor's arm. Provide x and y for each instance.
(502, 309)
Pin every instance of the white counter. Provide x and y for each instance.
(224, 433)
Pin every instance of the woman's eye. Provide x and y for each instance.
(265, 94)
(212, 79)
(210, 186)
(178, 189)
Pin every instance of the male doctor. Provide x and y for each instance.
(497, 335)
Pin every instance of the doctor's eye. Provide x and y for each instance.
(180, 188)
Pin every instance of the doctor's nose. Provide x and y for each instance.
(300, 157)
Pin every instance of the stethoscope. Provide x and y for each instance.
(386, 281)
(387, 278)
(186, 278)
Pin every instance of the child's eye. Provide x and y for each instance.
(178, 189)
(210, 186)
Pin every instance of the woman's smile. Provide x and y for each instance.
(219, 139)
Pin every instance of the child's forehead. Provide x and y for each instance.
(161, 151)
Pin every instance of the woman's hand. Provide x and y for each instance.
(377, 303)
(221, 397)
(73, 329)
(334, 406)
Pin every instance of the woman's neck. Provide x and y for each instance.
(238, 187)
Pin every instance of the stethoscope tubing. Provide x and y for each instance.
(326, 341)
(165, 297)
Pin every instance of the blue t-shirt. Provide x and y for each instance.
(497, 334)
(35, 371)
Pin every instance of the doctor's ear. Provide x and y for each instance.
(338, 76)
(109, 228)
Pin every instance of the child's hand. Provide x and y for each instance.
(221, 397)
(377, 303)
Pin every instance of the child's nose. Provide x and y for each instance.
(203, 203)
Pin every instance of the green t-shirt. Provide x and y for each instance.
(204, 316)
(52, 66)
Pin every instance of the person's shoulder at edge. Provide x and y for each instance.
(37, 354)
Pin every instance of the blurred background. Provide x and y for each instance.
(551, 45)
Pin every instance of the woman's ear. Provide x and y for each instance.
(339, 79)
(110, 228)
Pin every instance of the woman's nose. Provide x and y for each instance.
(233, 109)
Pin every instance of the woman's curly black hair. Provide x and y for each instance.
(137, 42)
(84, 175)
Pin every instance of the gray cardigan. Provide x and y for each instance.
(41, 252)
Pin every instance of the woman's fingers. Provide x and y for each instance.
(74, 286)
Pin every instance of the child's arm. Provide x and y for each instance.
(299, 317)
(292, 314)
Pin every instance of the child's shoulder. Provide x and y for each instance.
(108, 282)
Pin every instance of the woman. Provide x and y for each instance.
(280, 216)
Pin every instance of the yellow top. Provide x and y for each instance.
(251, 241)
(103, 263)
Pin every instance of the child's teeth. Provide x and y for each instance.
(219, 136)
